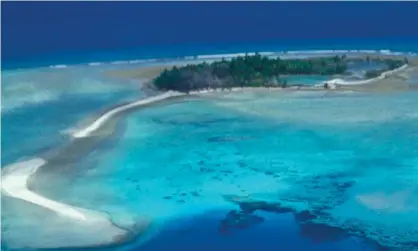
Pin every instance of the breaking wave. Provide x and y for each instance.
(296, 53)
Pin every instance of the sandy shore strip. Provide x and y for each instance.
(88, 130)
(15, 179)
(84, 223)
(15, 176)
(383, 75)
(392, 81)
(14, 183)
(105, 117)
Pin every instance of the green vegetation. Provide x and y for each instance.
(258, 71)
(247, 71)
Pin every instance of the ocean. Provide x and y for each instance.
(323, 160)
(289, 171)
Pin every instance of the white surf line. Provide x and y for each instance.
(338, 81)
(14, 184)
(105, 117)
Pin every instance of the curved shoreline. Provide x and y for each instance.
(338, 81)
(15, 179)
(14, 183)
(87, 131)
(15, 176)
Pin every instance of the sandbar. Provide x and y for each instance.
(83, 221)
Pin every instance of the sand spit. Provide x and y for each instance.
(77, 224)
(394, 81)
(340, 82)
(85, 227)
(14, 183)
(88, 130)
(105, 117)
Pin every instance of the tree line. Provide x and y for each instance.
(254, 71)
(245, 71)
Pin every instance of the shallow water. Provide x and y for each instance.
(306, 80)
(41, 106)
(342, 166)
(348, 158)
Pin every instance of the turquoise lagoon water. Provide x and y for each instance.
(340, 168)
(305, 80)
(349, 161)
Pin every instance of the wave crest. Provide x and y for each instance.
(231, 55)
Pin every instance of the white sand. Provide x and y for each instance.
(14, 180)
(83, 226)
(87, 131)
(338, 81)
(105, 117)
(14, 183)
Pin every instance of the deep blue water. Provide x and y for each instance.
(44, 33)
(261, 231)
(193, 49)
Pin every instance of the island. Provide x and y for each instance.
(261, 71)
(174, 81)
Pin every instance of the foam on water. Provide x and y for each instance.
(32, 87)
(281, 53)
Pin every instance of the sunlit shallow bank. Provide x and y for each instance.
(40, 106)
(348, 158)
(260, 145)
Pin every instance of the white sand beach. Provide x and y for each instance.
(14, 184)
(88, 130)
(341, 82)
(78, 224)
(85, 132)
